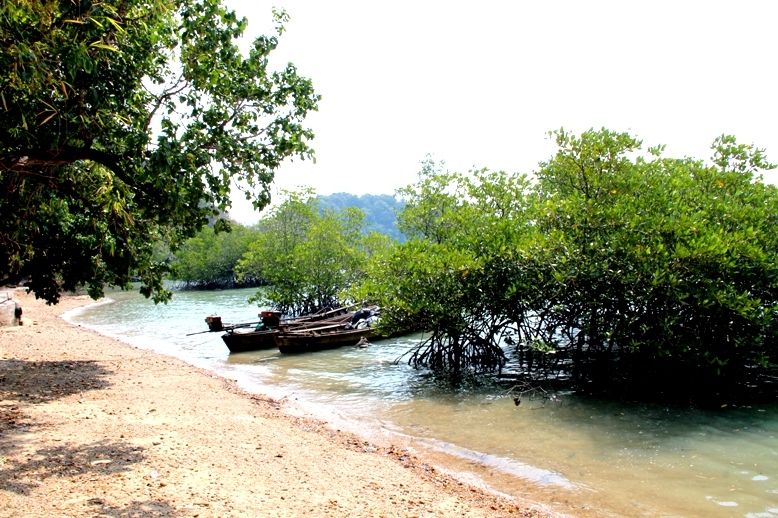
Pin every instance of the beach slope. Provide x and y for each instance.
(90, 426)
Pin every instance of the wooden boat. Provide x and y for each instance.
(238, 341)
(321, 337)
(243, 338)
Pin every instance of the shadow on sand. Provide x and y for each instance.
(25, 383)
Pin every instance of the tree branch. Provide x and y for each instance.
(30, 160)
(166, 94)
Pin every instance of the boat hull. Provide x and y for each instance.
(241, 341)
(309, 341)
(252, 341)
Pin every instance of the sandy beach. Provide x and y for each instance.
(90, 426)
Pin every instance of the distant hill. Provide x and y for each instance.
(379, 210)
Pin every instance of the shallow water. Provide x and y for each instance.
(616, 458)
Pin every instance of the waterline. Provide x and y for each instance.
(614, 457)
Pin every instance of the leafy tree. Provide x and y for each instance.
(125, 123)
(429, 203)
(669, 266)
(306, 256)
(271, 256)
(612, 266)
(209, 259)
(450, 277)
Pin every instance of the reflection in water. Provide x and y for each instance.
(618, 458)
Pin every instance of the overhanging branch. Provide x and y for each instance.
(29, 161)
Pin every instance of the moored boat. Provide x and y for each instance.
(331, 335)
(244, 338)
(320, 338)
(240, 341)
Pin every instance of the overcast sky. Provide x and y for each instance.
(479, 84)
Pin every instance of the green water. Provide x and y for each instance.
(615, 458)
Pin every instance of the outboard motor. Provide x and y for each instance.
(214, 323)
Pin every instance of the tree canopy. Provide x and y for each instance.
(611, 266)
(209, 260)
(125, 122)
(309, 257)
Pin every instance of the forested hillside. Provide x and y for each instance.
(380, 210)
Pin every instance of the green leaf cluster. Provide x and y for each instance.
(125, 123)
(607, 259)
(308, 257)
(209, 260)
(451, 274)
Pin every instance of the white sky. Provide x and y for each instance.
(478, 84)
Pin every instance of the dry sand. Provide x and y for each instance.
(90, 426)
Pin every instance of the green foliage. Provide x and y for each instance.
(610, 265)
(380, 210)
(448, 278)
(428, 204)
(124, 123)
(209, 259)
(670, 263)
(308, 257)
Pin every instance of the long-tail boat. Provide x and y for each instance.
(329, 335)
(254, 336)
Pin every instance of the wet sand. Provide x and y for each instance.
(90, 426)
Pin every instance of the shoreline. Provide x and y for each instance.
(92, 425)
